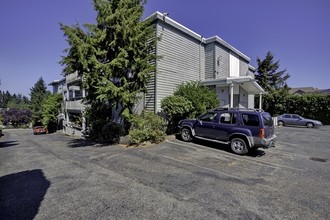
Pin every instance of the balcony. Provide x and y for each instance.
(73, 77)
(74, 105)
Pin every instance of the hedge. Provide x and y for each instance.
(313, 106)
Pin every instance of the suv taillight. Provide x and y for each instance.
(262, 133)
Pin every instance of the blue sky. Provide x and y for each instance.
(297, 32)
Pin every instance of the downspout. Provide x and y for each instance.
(156, 64)
(200, 68)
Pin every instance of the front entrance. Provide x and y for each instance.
(236, 100)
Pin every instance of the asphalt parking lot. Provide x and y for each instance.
(57, 177)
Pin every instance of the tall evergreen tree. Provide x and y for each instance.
(38, 94)
(115, 56)
(268, 75)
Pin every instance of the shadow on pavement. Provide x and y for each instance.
(21, 194)
(4, 144)
(253, 153)
(75, 143)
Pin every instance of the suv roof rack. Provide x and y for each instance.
(238, 109)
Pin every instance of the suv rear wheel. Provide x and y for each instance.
(238, 146)
(186, 134)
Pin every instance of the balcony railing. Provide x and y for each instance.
(74, 105)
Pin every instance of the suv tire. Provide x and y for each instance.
(186, 134)
(238, 146)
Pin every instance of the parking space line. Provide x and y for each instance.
(199, 166)
(235, 157)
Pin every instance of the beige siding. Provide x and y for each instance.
(209, 61)
(243, 68)
(221, 54)
(183, 59)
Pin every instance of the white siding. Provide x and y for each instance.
(234, 65)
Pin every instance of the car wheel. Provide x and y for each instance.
(310, 125)
(280, 123)
(186, 134)
(238, 146)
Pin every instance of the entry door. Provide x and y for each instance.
(236, 100)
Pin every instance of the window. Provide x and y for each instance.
(250, 120)
(210, 116)
(228, 118)
(296, 116)
(268, 120)
(287, 116)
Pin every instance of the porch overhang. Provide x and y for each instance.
(246, 82)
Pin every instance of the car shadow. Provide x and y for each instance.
(224, 147)
(22, 193)
(4, 144)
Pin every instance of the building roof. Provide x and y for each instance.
(57, 81)
(246, 82)
(308, 90)
(163, 17)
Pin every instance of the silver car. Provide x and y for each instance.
(297, 120)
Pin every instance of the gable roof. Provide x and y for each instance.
(163, 17)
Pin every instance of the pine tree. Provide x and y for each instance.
(38, 94)
(268, 76)
(114, 56)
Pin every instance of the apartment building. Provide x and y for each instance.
(185, 56)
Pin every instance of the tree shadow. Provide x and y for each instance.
(224, 147)
(4, 144)
(75, 143)
(22, 193)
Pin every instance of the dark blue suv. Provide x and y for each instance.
(243, 129)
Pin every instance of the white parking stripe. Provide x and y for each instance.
(235, 157)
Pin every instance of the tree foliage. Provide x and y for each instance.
(38, 93)
(16, 117)
(189, 100)
(114, 56)
(201, 97)
(14, 101)
(51, 107)
(268, 76)
(315, 106)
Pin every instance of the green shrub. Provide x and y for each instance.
(175, 108)
(111, 132)
(147, 127)
(190, 100)
(202, 97)
(96, 130)
(314, 106)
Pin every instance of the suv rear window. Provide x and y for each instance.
(267, 120)
(250, 120)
